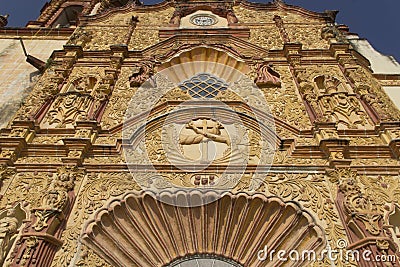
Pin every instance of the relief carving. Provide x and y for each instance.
(372, 93)
(56, 198)
(360, 206)
(80, 37)
(5, 173)
(143, 71)
(392, 221)
(312, 192)
(8, 228)
(11, 220)
(97, 190)
(44, 89)
(266, 76)
(331, 100)
(285, 103)
(328, 33)
(67, 109)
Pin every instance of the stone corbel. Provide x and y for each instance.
(16, 141)
(72, 53)
(341, 52)
(334, 147)
(119, 53)
(292, 52)
(81, 143)
(13, 144)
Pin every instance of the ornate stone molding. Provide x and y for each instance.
(205, 229)
(361, 215)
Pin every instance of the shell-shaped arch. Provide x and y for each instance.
(138, 230)
(204, 60)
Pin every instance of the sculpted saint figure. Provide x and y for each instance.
(8, 227)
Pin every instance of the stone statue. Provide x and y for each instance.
(8, 228)
(57, 195)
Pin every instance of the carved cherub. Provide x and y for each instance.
(57, 194)
(8, 228)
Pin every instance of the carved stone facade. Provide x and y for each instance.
(198, 131)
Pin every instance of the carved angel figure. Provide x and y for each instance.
(8, 228)
(56, 196)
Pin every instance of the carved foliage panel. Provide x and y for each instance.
(6, 176)
(96, 190)
(381, 189)
(308, 35)
(313, 192)
(117, 19)
(160, 18)
(30, 187)
(119, 100)
(367, 200)
(45, 88)
(267, 37)
(263, 16)
(143, 37)
(285, 103)
(101, 38)
(27, 186)
(372, 92)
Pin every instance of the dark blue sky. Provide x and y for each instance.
(377, 21)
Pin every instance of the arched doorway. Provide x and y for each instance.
(204, 261)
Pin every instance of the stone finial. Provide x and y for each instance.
(331, 15)
(3, 20)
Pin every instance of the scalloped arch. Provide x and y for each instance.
(205, 60)
(138, 230)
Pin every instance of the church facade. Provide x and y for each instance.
(196, 133)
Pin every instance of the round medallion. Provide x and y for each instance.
(203, 20)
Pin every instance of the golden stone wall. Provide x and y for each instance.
(67, 169)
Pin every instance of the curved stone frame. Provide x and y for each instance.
(203, 256)
(152, 239)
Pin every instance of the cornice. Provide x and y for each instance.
(123, 10)
(46, 33)
(328, 16)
